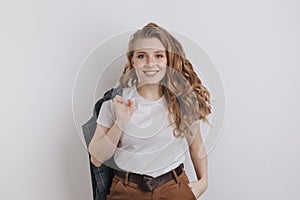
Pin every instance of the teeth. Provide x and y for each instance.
(150, 72)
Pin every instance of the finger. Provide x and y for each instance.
(130, 104)
(118, 99)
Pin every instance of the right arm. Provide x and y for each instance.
(105, 140)
(104, 143)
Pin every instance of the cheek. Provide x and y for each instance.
(164, 71)
(138, 70)
(138, 62)
(163, 62)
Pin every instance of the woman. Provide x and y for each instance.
(162, 104)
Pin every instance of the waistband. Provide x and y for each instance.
(148, 183)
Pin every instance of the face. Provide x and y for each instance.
(149, 60)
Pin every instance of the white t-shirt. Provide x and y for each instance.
(147, 145)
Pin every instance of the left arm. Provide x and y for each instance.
(199, 159)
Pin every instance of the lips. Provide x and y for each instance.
(151, 72)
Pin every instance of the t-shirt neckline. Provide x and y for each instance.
(146, 100)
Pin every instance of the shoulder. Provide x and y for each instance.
(107, 105)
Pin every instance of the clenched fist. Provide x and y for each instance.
(123, 110)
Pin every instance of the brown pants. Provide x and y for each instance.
(176, 189)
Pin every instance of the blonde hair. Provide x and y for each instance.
(188, 100)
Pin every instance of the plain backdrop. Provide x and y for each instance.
(254, 44)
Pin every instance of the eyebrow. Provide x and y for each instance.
(159, 51)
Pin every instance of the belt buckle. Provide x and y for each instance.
(148, 183)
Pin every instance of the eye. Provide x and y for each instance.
(140, 56)
(159, 55)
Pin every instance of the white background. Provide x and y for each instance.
(254, 45)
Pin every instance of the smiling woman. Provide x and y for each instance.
(144, 130)
(150, 63)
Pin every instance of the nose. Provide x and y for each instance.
(151, 61)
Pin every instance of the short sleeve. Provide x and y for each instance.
(106, 116)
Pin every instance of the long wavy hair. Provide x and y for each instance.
(188, 100)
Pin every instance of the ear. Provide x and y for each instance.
(132, 62)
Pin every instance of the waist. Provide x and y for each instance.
(148, 183)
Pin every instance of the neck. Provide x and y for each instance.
(149, 91)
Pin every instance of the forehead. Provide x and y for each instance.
(149, 44)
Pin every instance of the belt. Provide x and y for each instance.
(148, 183)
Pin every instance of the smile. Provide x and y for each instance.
(150, 73)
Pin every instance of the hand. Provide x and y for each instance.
(123, 111)
(198, 187)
